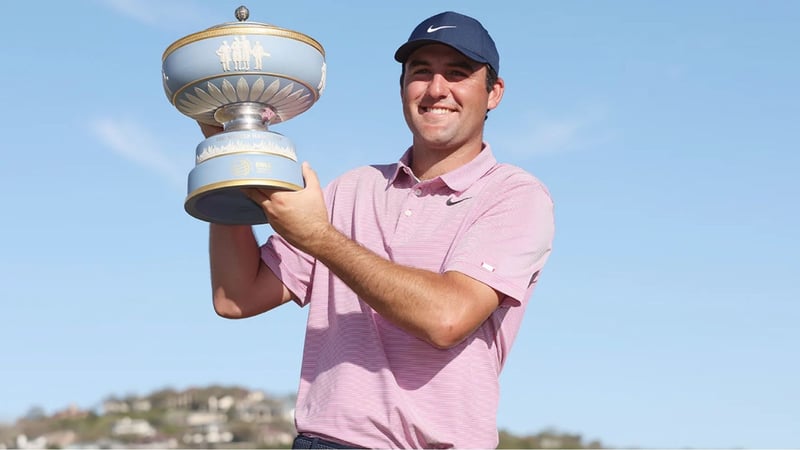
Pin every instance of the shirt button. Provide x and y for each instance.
(407, 212)
(417, 192)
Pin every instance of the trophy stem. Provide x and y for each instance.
(244, 116)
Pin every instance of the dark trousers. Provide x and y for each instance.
(311, 442)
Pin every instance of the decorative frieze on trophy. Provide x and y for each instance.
(243, 76)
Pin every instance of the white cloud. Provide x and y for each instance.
(134, 143)
(138, 10)
(158, 13)
(546, 135)
(555, 135)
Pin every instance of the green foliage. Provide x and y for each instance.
(549, 439)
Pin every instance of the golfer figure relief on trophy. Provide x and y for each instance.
(244, 76)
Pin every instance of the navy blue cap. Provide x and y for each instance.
(461, 32)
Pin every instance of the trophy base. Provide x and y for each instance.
(231, 161)
(228, 205)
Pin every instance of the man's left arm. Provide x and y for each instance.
(440, 308)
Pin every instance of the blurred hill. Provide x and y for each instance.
(229, 417)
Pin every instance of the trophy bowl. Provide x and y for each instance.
(243, 76)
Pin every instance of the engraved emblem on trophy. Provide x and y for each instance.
(246, 77)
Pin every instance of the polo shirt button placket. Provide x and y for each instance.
(418, 193)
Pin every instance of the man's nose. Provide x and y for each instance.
(438, 87)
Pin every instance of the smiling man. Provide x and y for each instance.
(416, 274)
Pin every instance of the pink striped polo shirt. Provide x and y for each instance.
(366, 382)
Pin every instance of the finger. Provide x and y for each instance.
(310, 176)
(209, 130)
(255, 195)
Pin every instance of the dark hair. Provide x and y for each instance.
(491, 79)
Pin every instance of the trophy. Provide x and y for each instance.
(244, 76)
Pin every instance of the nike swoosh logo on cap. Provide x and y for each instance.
(432, 29)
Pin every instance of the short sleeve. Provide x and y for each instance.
(510, 239)
(293, 267)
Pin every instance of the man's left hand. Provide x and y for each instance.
(300, 217)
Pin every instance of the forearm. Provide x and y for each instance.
(441, 309)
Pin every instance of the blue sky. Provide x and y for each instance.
(666, 132)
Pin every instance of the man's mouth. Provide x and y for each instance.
(435, 110)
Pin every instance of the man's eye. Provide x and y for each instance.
(457, 75)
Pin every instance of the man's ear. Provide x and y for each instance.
(496, 94)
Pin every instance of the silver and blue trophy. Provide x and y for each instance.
(244, 76)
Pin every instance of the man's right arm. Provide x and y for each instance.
(242, 284)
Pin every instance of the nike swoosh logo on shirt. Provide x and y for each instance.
(451, 202)
(432, 29)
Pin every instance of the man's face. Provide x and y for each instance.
(445, 98)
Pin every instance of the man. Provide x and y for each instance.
(416, 273)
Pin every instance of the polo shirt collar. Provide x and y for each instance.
(459, 179)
